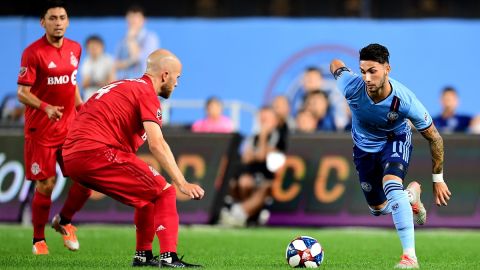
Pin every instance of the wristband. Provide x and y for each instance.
(437, 178)
(43, 105)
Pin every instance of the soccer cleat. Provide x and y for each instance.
(171, 260)
(407, 263)
(40, 248)
(68, 233)
(142, 261)
(419, 211)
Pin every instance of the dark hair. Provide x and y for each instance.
(52, 4)
(94, 38)
(211, 100)
(313, 69)
(449, 89)
(375, 52)
(136, 8)
(315, 92)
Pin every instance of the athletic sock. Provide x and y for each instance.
(144, 226)
(35, 240)
(166, 220)
(40, 210)
(402, 215)
(77, 196)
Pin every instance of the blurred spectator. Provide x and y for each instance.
(317, 103)
(281, 107)
(97, 70)
(475, 125)
(215, 121)
(305, 122)
(313, 80)
(449, 121)
(251, 188)
(131, 57)
(12, 110)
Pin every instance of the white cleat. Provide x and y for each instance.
(407, 263)
(419, 212)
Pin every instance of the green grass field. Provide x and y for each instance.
(112, 247)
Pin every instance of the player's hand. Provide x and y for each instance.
(54, 112)
(441, 193)
(192, 190)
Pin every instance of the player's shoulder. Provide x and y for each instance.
(72, 43)
(402, 91)
(35, 46)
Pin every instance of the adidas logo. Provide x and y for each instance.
(161, 228)
(394, 155)
(52, 65)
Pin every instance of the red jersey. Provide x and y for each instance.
(114, 117)
(51, 72)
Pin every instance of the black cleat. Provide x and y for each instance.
(142, 261)
(171, 260)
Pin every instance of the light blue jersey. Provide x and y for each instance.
(372, 123)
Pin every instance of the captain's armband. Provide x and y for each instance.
(339, 71)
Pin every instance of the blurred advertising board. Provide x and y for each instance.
(317, 186)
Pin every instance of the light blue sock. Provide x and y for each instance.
(402, 214)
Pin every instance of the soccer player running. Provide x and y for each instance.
(47, 86)
(99, 153)
(381, 108)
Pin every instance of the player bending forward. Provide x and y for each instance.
(381, 134)
(100, 149)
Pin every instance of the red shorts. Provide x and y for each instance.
(122, 176)
(40, 161)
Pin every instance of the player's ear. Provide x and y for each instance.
(42, 22)
(164, 76)
(388, 68)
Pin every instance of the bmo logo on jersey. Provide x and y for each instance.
(63, 79)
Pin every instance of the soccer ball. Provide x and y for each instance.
(304, 251)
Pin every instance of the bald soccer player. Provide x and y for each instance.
(100, 149)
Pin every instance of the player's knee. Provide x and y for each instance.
(375, 212)
(378, 210)
(395, 168)
(46, 186)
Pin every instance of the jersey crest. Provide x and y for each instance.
(73, 60)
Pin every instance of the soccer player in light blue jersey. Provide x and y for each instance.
(381, 108)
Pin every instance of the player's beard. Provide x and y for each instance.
(378, 90)
(165, 91)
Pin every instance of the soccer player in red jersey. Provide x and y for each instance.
(47, 86)
(99, 153)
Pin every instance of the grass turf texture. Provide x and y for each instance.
(112, 247)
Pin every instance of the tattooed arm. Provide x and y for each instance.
(440, 189)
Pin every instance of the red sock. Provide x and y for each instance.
(76, 199)
(166, 220)
(144, 226)
(40, 211)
